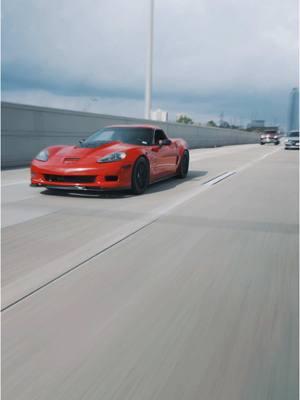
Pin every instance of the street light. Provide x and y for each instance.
(148, 87)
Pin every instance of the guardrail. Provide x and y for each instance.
(28, 129)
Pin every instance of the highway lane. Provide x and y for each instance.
(56, 233)
(200, 302)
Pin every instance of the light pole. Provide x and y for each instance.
(148, 86)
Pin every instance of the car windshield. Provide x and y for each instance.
(130, 135)
(294, 134)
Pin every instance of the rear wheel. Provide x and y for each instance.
(140, 176)
(184, 165)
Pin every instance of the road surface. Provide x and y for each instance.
(189, 291)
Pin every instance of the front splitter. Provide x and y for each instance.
(79, 188)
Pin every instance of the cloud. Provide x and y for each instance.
(210, 56)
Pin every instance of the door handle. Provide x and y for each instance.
(155, 149)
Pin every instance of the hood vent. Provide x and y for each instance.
(71, 159)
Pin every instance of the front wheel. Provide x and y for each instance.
(140, 176)
(184, 165)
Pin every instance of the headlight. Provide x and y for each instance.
(275, 137)
(42, 156)
(112, 157)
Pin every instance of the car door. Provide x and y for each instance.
(165, 156)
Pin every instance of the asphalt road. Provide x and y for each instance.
(187, 292)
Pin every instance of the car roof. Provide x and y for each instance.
(149, 126)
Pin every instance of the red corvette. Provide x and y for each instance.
(116, 157)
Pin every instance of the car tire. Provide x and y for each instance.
(183, 168)
(140, 176)
(262, 144)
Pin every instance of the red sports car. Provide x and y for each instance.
(116, 157)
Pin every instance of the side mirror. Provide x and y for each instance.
(81, 141)
(165, 142)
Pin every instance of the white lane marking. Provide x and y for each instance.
(28, 180)
(15, 183)
(195, 155)
(192, 160)
(249, 164)
(219, 178)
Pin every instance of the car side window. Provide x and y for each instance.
(159, 135)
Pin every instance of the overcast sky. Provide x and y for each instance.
(238, 57)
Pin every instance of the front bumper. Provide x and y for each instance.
(292, 146)
(264, 141)
(77, 188)
(105, 177)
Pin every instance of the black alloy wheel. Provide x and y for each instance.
(140, 176)
(184, 165)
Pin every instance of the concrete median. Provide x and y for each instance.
(28, 129)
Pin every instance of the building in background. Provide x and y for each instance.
(256, 124)
(159, 115)
(293, 113)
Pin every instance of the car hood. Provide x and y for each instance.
(79, 155)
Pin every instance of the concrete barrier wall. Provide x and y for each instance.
(28, 129)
